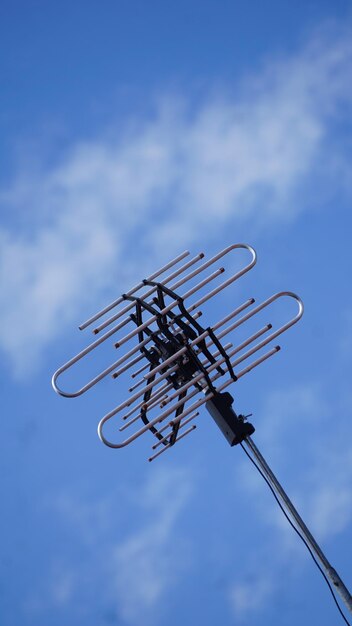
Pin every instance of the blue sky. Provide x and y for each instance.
(130, 132)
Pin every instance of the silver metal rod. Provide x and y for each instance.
(207, 264)
(128, 365)
(253, 337)
(141, 369)
(262, 306)
(97, 378)
(141, 392)
(213, 366)
(151, 458)
(148, 405)
(173, 422)
(130, 305)
(202, 336)
(156, 420)
(113, 330)
(133, 290)
(102, 374)
(230, 280)
(200, 376)
(137, 384)
(226, 347)
(157, 369)
(152, 402)
(182, 425)
(168, 308)
(332, 575)
(193, 407)
(203, 283)
(251, 366)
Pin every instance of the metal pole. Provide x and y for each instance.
(330, 572)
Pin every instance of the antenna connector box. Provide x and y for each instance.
(233, 426)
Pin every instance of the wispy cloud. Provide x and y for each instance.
(133, 567)
(56, 592)
(327, 496)
(147, 562)
(248, 597)
(285, 414)
(236, 157)
(322, 486)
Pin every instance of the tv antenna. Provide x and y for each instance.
(177, 366)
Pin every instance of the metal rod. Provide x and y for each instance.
(198, 378)
(167, 387)
(202, 336)
(133, 290)
(184, 280)
(172, 422)
(131, 305)
(151, 458)
(330, 572)
(182, 425)
(128, 365)
(141, 369)
(148, 293)
(203, 283)
(186, 412)
(152, 402)
(113, 330)
(100, 376)
(168, 308)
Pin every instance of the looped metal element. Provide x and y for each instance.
(210, 369)
(184, 364)
(126, 309)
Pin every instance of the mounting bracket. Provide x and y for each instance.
(234, 427)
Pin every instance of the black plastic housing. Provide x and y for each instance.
(233, 426)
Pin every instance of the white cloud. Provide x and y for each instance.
(331, 508)
(321, 486)
(148, 561)
(57, 591)
(327, 497)
(62, 588)
(288, 411)
(237, 157)
(136, 565)
(249, 597)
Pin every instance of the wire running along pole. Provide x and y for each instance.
(332, 575)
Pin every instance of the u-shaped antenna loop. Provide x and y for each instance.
(173, 304)
(212, 368)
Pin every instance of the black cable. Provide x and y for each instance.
(297, 531)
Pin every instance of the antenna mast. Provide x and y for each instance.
(182, 366)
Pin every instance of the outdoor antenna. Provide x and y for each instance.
(185, 365)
